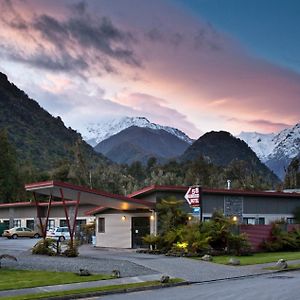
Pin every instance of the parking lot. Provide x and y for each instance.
(20, 244)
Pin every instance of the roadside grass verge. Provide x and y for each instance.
(290, 267)
(257, 258)
(19, 279)
(109, 288)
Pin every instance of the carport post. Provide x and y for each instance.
(43, 226)
(71, 230)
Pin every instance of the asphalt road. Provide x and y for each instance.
(20, 244)
(283, 286)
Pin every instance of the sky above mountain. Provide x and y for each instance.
(195, 65)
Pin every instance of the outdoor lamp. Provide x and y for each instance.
(152, 218)
(234, 218)
(123, 218)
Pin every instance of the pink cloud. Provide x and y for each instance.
(177, 70)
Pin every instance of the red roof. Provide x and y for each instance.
(164, 188)
(28, 204)
(87, 195)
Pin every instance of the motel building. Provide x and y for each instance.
(122, 221)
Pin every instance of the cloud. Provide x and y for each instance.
(157, 110)
(78, 42)
(176, 69)
(268, 126)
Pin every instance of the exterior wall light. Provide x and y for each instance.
(123, 218)
(190, 218)
(152, 218)
(234, 218)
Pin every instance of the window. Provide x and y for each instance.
(79, 224)
(17, 223)
(261, 221)
(291, 220)
(62, 223)
(30, 224)
(249, 221)
(51, 224)
(101, 225)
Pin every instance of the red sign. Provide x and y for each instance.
(192, 196)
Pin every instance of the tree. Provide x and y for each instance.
(9, 181)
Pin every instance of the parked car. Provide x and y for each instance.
(60, 233)
(16, 232)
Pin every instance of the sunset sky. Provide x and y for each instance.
(197, 65)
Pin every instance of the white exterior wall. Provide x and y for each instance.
(118, 232)
(269, 218)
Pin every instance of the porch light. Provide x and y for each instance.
(152, 218)
(234, 218)
(123, 218)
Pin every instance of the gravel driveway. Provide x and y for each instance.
(102, 265)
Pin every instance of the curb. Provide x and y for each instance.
(119, 291)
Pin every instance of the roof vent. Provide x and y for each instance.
(228, 184)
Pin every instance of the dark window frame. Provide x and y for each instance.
(101, 225)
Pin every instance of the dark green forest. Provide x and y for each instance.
(80, 169)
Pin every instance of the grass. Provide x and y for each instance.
(258, 258)
(120, 287)
(290, 267)
(19, 279)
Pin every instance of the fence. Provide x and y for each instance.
(258, 233)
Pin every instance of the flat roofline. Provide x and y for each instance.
(163, 188)
(29, 203)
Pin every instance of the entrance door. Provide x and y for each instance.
(140, 228)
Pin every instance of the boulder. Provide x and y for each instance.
(234, 262)
(116, 273)
(282, 264)
(165, 279)
(84, 272)
(207, 257)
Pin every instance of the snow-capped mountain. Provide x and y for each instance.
(275, 150)
(98, 132)
(262, 144)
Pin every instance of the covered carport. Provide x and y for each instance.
(60, 191)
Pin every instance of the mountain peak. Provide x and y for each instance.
(98, 132)
(275, 150)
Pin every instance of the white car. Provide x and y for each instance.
(60, 233)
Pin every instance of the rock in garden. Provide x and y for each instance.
(164, 279)
(207, 257)
(282, 264)
(84, 272)
(116, 273)
(234, 262)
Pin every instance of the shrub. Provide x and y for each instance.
(45, 247)
(239, 244)
(281, 240)
(198, 242)
(72, 250)
(152, 240)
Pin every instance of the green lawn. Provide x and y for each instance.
(121, 287)
(258, 258)
(19, 279)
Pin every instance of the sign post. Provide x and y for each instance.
(193, 197)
